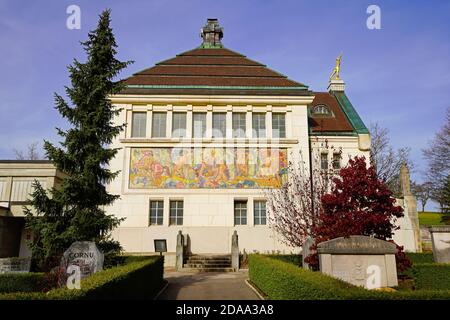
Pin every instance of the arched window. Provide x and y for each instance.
(321, 110)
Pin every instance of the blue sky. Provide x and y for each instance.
(398, 76)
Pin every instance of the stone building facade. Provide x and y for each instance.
(206, 132)
(16, 178)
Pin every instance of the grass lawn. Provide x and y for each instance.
(430, 218)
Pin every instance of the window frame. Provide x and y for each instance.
(257, 216)
(239, 131)
(203, 128)
(337, 158)
(259, 118)
(182, 132)
(277, 129)
(140, 123)
(158, 218)
(324, 155)
(239, 218)
(174, 219)
(159, 126)
(222, 123)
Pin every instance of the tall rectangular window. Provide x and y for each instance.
(219, 125)
(259, 125)
(179, 125)
(176, 213)
(278, 125)
(199, 125)
(240, 212)
(239, 125)
(324, 161)
(159, 125)
(259, 213)
(156, 212)
(336, 161)
(139, 124)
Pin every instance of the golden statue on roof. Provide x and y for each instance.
(336, 69)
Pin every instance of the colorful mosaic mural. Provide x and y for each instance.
(185, 168)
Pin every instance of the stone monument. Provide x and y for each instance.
(306, 251)
(359, 260)
(15, 265)
(409, 233)
(235, 251)
(180, 251)
(440, 239)
(86, 255)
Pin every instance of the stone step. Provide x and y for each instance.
(198, 257)
(207, 270)
(207, 261)
(207, 265)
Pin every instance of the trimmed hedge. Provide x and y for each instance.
(424, 257)
(23, 282)
(429, 276)
(295, 259)
(137, 280)
(284, 281)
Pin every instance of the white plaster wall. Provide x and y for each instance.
(208, 216)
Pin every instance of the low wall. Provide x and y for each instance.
(8, 265)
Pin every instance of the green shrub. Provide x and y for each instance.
(280, 280)
(431, 276)
(136, 280)
(284, 281)
(20, 282)
(424, 257)
(295, 259)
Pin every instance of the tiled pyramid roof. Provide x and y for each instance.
(212, 71)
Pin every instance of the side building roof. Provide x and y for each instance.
(341, 120)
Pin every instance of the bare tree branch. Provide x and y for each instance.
(32, 152)
(293, 209)
(385, 159)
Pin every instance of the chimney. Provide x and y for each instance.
(211, 34)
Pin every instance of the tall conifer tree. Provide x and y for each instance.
(75, 210)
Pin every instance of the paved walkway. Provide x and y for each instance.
(207, 286)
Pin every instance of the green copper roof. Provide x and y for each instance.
(355, 120)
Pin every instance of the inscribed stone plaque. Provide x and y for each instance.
(359, 260)
(440, 238)
(86, 255)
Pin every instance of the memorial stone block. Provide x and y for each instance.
(359, 260)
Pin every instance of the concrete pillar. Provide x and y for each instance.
(148, 132)
(248, 121)
(269, 133)
(169, 123)
(209, 122)
(189, 124)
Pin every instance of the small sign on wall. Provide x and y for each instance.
(160, 245)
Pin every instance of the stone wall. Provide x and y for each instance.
(9, 265)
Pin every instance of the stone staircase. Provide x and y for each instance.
(208, 263)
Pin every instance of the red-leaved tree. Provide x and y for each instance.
(359, 204)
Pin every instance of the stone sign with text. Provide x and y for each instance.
(440, 239)
(359, 260)
(85, 255)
